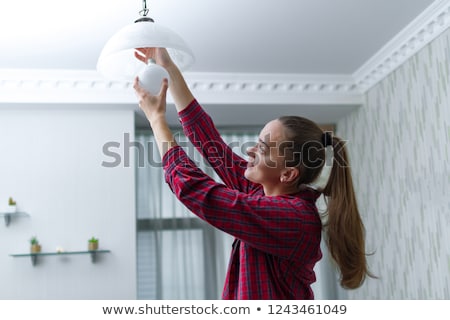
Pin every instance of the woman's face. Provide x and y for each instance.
(266, 163)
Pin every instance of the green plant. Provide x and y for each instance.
(93, 244)
(35, 246)
(34, 240)
(93, 240)
(11, 201)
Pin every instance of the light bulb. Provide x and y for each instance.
(151, 77)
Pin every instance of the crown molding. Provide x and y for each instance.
(86, 86)
(421, 31)
(61, 86)
(274, 88)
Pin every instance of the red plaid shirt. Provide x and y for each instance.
(277, 238)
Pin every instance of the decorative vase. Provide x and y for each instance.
(35, 248)
(92, 245)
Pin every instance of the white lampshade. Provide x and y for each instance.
(117, 60)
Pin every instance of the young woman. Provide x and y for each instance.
(267, 203)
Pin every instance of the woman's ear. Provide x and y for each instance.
(289, 175)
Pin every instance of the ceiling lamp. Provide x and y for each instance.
(117, 60)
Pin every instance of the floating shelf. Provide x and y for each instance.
(34, 256)
(9, 215)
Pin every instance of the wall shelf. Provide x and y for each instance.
(34, 256)
(9, 215)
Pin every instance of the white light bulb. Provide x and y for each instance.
(151, 77)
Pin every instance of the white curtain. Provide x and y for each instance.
(180, 256)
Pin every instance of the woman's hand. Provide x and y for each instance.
(180, 91)
(160, 55)
(154, 107)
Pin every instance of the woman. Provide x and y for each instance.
(268, 202)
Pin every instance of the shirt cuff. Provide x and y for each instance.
(173, 157)
(191, 113)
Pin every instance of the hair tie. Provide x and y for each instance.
(327, 139)
(322, 180)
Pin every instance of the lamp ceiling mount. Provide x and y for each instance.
(144, 10)
(144, 13)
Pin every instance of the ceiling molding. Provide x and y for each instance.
(421, 31)
(87, 86)
(274, 88)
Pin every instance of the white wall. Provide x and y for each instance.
(51, 163)
(399, 146)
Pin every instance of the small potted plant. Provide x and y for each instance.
(92, 244)
(35, 246)
(11, 205)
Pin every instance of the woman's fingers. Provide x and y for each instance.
(144, 54)
(164, 86)
(139, 56)
(141, 91)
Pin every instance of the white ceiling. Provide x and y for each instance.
(303, 39)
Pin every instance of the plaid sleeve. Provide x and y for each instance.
(201, 131)
(282, 226)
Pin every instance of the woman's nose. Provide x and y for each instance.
(251, 151)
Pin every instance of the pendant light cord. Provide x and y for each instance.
(144, 10)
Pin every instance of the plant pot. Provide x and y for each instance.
(11, 209)
(92, 246)
(35, 248)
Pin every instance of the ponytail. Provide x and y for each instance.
(345, 233)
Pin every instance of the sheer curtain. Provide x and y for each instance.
(179, 255)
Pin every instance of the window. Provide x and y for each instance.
(179, 256)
